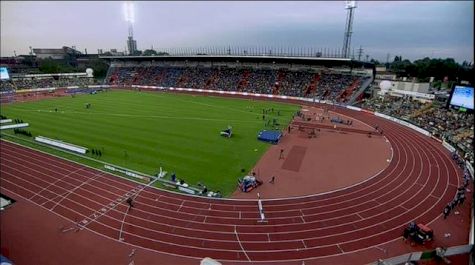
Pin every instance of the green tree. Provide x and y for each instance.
(99, 66)
(149, 52)
(137, 53)
(375, 62)
(50, 66)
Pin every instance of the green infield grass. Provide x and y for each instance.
(143, 131)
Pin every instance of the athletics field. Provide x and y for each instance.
(143, 131)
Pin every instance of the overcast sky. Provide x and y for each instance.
(411, 29)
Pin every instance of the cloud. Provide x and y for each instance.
(409, 28)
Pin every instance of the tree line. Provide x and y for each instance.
(424, 69)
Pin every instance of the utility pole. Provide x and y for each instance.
(360, 52)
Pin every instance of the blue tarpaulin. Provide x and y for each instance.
(272, 137)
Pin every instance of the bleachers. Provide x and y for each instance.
(325, 86)
(453, 126)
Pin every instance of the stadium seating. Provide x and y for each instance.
(325, 86)
(48, 82)
(6, 86)
(453, 126)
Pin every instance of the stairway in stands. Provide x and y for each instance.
(280, 77)
(312, 87)
(182, 79)
(160, 77)
(343, 97)
(244, 82)
(211, 82)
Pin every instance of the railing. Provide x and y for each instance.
(259, 51)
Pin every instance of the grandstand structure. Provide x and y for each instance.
(336, 79)
(61, 80)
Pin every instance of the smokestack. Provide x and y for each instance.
(85, 51)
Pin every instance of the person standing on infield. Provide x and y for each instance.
(281, 156)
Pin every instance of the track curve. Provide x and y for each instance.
(420, 179)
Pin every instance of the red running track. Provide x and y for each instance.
(420, 179)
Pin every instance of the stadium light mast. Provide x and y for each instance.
(129, 16)
(350, 6)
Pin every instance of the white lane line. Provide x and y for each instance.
(239, 241)
(303, 242)
(340, 248)
(181, 205)
(122, 224)
(376, 202)
(71, 191)
(112, 205)
(55, 182)
(362, 218)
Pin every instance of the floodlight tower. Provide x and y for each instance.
(130, 18)
(350, 6)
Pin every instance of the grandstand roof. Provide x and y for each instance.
(330, 62)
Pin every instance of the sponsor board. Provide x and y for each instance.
(126, 172)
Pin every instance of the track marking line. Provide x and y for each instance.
(362, 218)
(303, 220)
(376, 202)
(181, 205)
(338, 245)
(71, 191)
(233, 206)
(303, 242)
(122, 225)
(55, 182)
(135, 193)
(436, 185)
(382, 249)
(239, 241)
(268, 237)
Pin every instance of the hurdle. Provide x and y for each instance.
(261, 209)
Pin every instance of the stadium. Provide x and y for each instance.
(234, 156)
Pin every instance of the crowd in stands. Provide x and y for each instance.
(324, 86)
(27, 83)
(451, 125)
(6, 86)
(49, 82)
